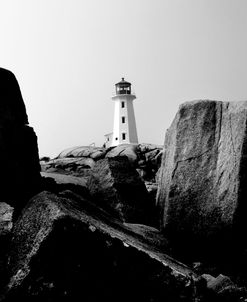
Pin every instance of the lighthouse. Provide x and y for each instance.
(124, 125)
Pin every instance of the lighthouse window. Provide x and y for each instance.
(122, 104)
(123, 119)
(124, 136)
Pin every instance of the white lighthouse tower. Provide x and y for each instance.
(124, 126)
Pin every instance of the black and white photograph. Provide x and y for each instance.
(123, 150)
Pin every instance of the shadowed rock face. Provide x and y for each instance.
(12, 107)
(202, 183)
(116, 187)
(19, 160)
(6, 213)
(65, 250)
(78, 161)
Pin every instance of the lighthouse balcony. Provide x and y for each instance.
(123, 93)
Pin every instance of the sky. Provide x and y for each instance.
(68, 54)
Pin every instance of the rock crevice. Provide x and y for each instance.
(203, 173)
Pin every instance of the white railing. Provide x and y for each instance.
(132, 93)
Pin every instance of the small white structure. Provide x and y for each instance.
(108, 140)
(124, 126)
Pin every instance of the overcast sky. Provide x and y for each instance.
(68, 54)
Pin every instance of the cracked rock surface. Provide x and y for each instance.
(202, 180)
(115, 186)
(66, 249)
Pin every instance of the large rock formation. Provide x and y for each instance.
(78, 161)
(84, 151)
(13, 111)
(116, 187)
(19, 160)
(202, 185)
(66, 249)
(6, 213)
(128, 150)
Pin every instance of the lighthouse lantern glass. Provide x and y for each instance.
(123, 87)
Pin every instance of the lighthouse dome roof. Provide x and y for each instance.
(123, 82)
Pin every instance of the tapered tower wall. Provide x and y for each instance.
(124, 127)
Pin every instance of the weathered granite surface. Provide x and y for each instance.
(78, 161)
(115, 186)
(63, 251)
(202, 181)
(6, 214)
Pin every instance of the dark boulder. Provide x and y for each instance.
(6, 224)
(219, 283)
(116, 187)
(75, 166)
(6, 213)
(223, 289)
(19, 160)
(127, 150)
(55, 182)
(12, 107)
(61, 252)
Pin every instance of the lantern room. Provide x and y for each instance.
(123, 87)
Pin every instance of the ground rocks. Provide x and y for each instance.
(78, 161)
(6, 224)
(62, 179)
(222, 288)
(84, 151)
(6, 213)
(202, 182)
(115, 186)
(56, 183)
(219, 283)
(127, 150)
(76, 166)
(61, 252)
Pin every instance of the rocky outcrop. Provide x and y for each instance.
(6, 225)
(62, 179)
(222, 288)
(78, 161)
(19, 160)
(202, 183)
(6, 214)
(75, 166)
(55, 182)
(128, 150)
(116, 187)
(84, 151)
(63, 251)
